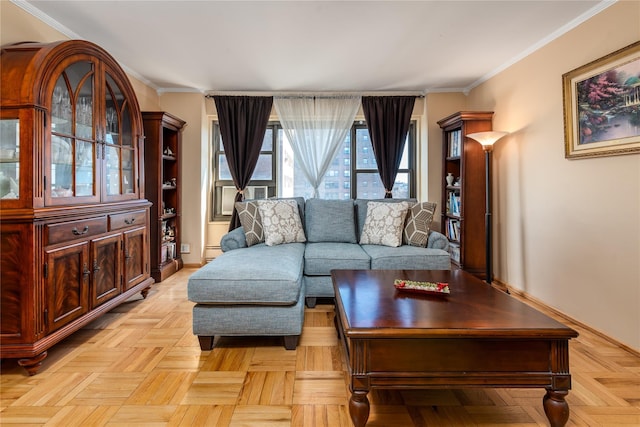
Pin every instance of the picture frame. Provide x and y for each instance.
(602, 106)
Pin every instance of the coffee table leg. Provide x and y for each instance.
(359, 408)
(556, 408)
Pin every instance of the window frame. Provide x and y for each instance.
(218, 184)
(276, 153)
(411, 161)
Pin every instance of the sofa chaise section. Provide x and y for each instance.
(255, 291)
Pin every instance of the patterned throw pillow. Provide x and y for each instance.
(281, 222)
(384, 224)
(251, 222)
(416, 229)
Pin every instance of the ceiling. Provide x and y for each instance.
(304, 46)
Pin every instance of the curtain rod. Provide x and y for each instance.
(211, 94)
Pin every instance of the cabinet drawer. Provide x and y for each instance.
(127, 219)
(63, 232)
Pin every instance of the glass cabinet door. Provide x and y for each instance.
(9, 158)
(72, 161)
(119, 143)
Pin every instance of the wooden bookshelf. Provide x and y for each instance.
(163, 138)
(463, 202)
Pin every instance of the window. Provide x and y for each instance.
(352, 174)
(262, 184)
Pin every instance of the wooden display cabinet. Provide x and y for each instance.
(463, 202)
(163, 140)
(73, 216)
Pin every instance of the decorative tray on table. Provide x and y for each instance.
(430, 288)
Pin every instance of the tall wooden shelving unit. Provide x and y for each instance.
(163, 140)
(463, 203)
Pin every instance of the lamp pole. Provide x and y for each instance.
(487, 215)
(487, 139)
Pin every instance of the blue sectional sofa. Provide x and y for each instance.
(261, 289)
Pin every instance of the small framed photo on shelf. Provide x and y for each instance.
(602, 106)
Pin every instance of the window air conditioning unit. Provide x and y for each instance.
(252, 192)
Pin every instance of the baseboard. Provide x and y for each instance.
(536, 302)
(192, 265)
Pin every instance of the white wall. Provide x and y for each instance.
(567, 231)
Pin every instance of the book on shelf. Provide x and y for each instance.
(453, 203)
(455, 142)
(452, 229)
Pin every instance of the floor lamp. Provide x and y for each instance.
(487, 139)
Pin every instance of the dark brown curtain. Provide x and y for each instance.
(243, 122)
(388, 119)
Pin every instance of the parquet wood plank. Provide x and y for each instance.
(202, 416)
(261, 416)
(320, 387)
(215, 388)
(143, 415)
(141, 364)
(320, 416)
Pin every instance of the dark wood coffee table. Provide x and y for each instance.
(477, 336)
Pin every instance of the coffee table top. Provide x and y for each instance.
(370, 306)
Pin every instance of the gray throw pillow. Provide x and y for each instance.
(416, 228)
(281, 222)
(251, 222)
(384, 224)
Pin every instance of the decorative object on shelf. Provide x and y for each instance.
(487, 139)
(439, 288)
(600, 102)
(168, 151)
(450, 179)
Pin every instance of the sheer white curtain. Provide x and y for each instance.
(316, 126)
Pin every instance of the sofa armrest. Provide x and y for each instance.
(437, 240)
(234, 239)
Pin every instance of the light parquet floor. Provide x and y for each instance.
(141, 365)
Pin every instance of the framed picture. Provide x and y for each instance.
(602, 106)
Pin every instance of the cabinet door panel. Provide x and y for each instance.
(135, 256)
(71, 157)
(15, 265)
(106, 277)
(67, 284)
(121, 152)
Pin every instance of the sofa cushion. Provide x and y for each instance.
(384, 224)
(281, 222)
(407, 257)
(274, 276)
(251, 222)
(321, 258)
(416, 227)
(330, 221)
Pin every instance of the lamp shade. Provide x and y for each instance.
(487, 139)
